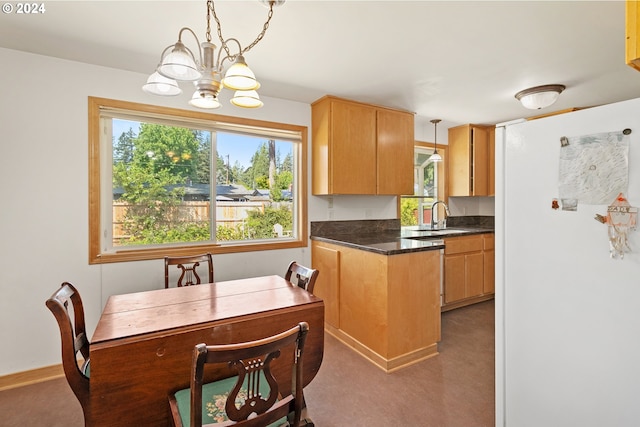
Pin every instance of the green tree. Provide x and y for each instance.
(409, 211)
(287, 164)
(260, 224)
(147, 170)
(168, 148)
(203, 156)
(124, 147)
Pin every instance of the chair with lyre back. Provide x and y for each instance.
(66, 306)
(302, 276)
(255, 395)
(188, 266)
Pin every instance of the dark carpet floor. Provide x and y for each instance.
(453, 389)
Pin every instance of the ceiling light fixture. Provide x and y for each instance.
(539, 97)
(435, 157)
(178, 63)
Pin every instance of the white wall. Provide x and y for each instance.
(44, 203)
(465, 206)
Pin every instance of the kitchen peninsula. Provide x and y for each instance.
(382, 286)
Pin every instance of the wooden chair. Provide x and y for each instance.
(188, 264)
(253, 391)
(302, 276)
(66, 306)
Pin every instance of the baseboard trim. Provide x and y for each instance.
(33, 376)
(466, 302)
(387, 365)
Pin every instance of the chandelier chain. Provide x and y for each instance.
(265, 27)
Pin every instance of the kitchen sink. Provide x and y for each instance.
(426, 234)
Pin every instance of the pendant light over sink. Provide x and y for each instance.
(435, 157)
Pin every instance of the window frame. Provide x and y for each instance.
(441, 168)
(96, 187)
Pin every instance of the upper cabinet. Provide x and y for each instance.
(633, 34)
(361, 149)
(471, 161)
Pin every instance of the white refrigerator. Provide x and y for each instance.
(567, 314)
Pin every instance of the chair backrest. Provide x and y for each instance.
(188, 264)
(252, 363)
(302, 276)
(66, 306)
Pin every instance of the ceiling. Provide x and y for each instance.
(460, 61)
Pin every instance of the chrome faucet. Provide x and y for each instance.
(446, 214)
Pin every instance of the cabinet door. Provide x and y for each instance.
(454, 278)
(633, 34)
(489, 264)
(474, 266)
(327, 287)
(352, 149)
(459, 161)
(479, 161)
(395, 152)
(468, 161)
(492, 161)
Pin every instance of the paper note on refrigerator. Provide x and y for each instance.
(594, 168)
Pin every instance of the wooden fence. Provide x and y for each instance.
(227, 213)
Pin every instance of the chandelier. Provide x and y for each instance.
(178, 64)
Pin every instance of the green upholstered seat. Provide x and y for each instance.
(86, 368)
(214, 396)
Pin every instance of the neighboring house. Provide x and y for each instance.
(224, 192)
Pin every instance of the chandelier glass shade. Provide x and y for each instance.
(539, 97)
(157, 84)
(240, 77)
(435, 157)
(246, 99)
(179, 64)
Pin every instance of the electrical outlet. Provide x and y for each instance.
(368, 213)
(330, 213)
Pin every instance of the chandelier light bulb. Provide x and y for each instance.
(204, 100)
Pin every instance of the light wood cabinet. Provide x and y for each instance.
(489, 284)
(492, 161)
(361, 149)
(468, 270)
(386, 307)
(469, 161)
(326, 259)
(632, 45)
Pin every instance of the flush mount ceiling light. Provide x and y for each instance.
(539, 97)
(435, 157)
(178, 63)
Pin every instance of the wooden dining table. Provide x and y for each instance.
(142, 347)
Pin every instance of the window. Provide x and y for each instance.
(428, 186)
(168, 181)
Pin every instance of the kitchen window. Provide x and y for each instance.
(164, 181)
(428, 178)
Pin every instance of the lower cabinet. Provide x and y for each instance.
(489, 264)
(385, 307)
(468, 270)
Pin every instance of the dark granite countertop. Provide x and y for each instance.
(386, 237)
(382, 243)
